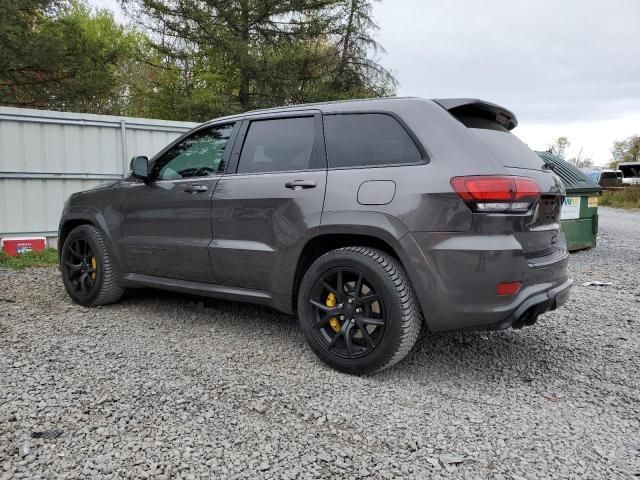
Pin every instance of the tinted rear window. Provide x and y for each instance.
(278, 145)
(368, 139)
(508, 148)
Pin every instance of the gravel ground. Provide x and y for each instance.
(169, 386)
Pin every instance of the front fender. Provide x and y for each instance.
(73, 216)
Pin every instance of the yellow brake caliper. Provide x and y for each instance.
(333, 322)
(94, 265)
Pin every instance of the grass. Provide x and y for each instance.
(629, 197)
(45, 258)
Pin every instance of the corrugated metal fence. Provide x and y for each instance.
(46, 156)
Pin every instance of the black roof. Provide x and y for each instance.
(574, 180)
(379, 103)
(472, 106)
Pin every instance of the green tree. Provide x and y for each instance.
(176, 88)
(226, 56)
(236, 38)
(59, 55)
(191, 60)
(625, 150)
(28, 50)
(356, 70)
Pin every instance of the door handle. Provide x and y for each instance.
(196, 189)
(300, 184)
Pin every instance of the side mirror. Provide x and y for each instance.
(140, 167)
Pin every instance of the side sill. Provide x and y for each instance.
(137, 280)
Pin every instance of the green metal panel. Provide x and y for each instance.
(582, 232)
(585, 210)
(579, 233)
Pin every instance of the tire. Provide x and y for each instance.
(102, 286)
(394, 310)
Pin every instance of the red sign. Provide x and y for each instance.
(17, 246)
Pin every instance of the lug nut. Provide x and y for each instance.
(351, 300)
(341, 317)
(358, 310)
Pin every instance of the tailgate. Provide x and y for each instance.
(538, 230)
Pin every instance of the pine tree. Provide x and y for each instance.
(356, 67)
(261, 53)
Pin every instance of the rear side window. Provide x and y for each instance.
(368, 140)
(278, 145)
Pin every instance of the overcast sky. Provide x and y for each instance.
(564, 67)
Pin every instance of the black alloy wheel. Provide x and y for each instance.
(88, 271)
(357, 310)
(80, 266)
(349, 312)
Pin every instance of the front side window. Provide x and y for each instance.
(278, 145)
(199, 155)
(367, 139)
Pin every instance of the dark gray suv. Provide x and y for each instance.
(363, 217)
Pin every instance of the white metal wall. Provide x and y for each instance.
(46, 156)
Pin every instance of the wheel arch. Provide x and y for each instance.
(67, 227)
(326, 242)
(86, 216)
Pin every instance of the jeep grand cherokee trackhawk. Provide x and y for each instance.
(362, 217)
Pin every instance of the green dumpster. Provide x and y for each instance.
(579, 217)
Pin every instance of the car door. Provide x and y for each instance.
(166, 222)
(270, 201)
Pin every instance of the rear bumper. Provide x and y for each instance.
(455, 277)
(529, 310)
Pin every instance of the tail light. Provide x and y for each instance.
(498, 194)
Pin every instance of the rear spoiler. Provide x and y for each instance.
(478, 108)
